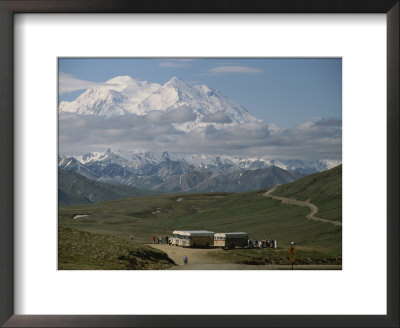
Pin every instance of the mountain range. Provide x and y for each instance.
(191, 108)
(74, 189)
(173, 172)
(124, 95)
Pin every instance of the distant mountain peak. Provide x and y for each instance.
(176, 172)
(123, 79)
(178, 85)
(165, 156)
(175, 79)
(124, 95)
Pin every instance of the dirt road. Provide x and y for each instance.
(201, 259)
(195, 255)
(312, 207)
(233, 266)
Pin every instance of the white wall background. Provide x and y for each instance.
(360, 288)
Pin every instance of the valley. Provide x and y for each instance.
(139, 159)
(260, 216)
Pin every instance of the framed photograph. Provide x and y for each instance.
(199, 164)
(188, 167)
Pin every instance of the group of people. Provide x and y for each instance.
(262, 243)
(158, 240)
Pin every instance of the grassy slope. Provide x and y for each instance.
(250, 212)
(323, 189)
(280, 255)
(261, 217)
(74, 188)
(78, 250)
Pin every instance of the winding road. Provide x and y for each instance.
(314, 209)
(202, 259)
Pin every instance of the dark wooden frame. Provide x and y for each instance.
(7, 10)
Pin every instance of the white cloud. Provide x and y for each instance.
(234, 70)
(156, 131)
(218, 117)
(172, 64)
(69, 83)
(183, 62)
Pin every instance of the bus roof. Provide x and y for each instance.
(231, 234)
(193, 232)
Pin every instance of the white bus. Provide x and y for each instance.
(174, 240)
(230, 239)
(192, 238)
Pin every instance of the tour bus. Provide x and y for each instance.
(230, 239)
(174, 240)
(192, 238)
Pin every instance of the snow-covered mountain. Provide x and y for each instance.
(136, 159)
(188, 107)
(124, 95)
(174, 172)
(118, 96)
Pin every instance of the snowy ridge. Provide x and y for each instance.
(135, 159)
(124, 95)
(174, 172)
(117, 97)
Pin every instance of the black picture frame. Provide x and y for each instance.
(10, 7)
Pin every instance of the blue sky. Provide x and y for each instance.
(285, 92)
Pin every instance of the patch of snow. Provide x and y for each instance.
(80, 216)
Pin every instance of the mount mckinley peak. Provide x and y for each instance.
(124, 95)
(188, 107)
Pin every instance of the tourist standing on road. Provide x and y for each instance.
(185, 259)
(166, 240)
(275, 244)
(159, 240)
(154, 239)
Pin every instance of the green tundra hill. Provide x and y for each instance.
(251, 212)
(323, 189)
(74, 188)
(78, 250)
